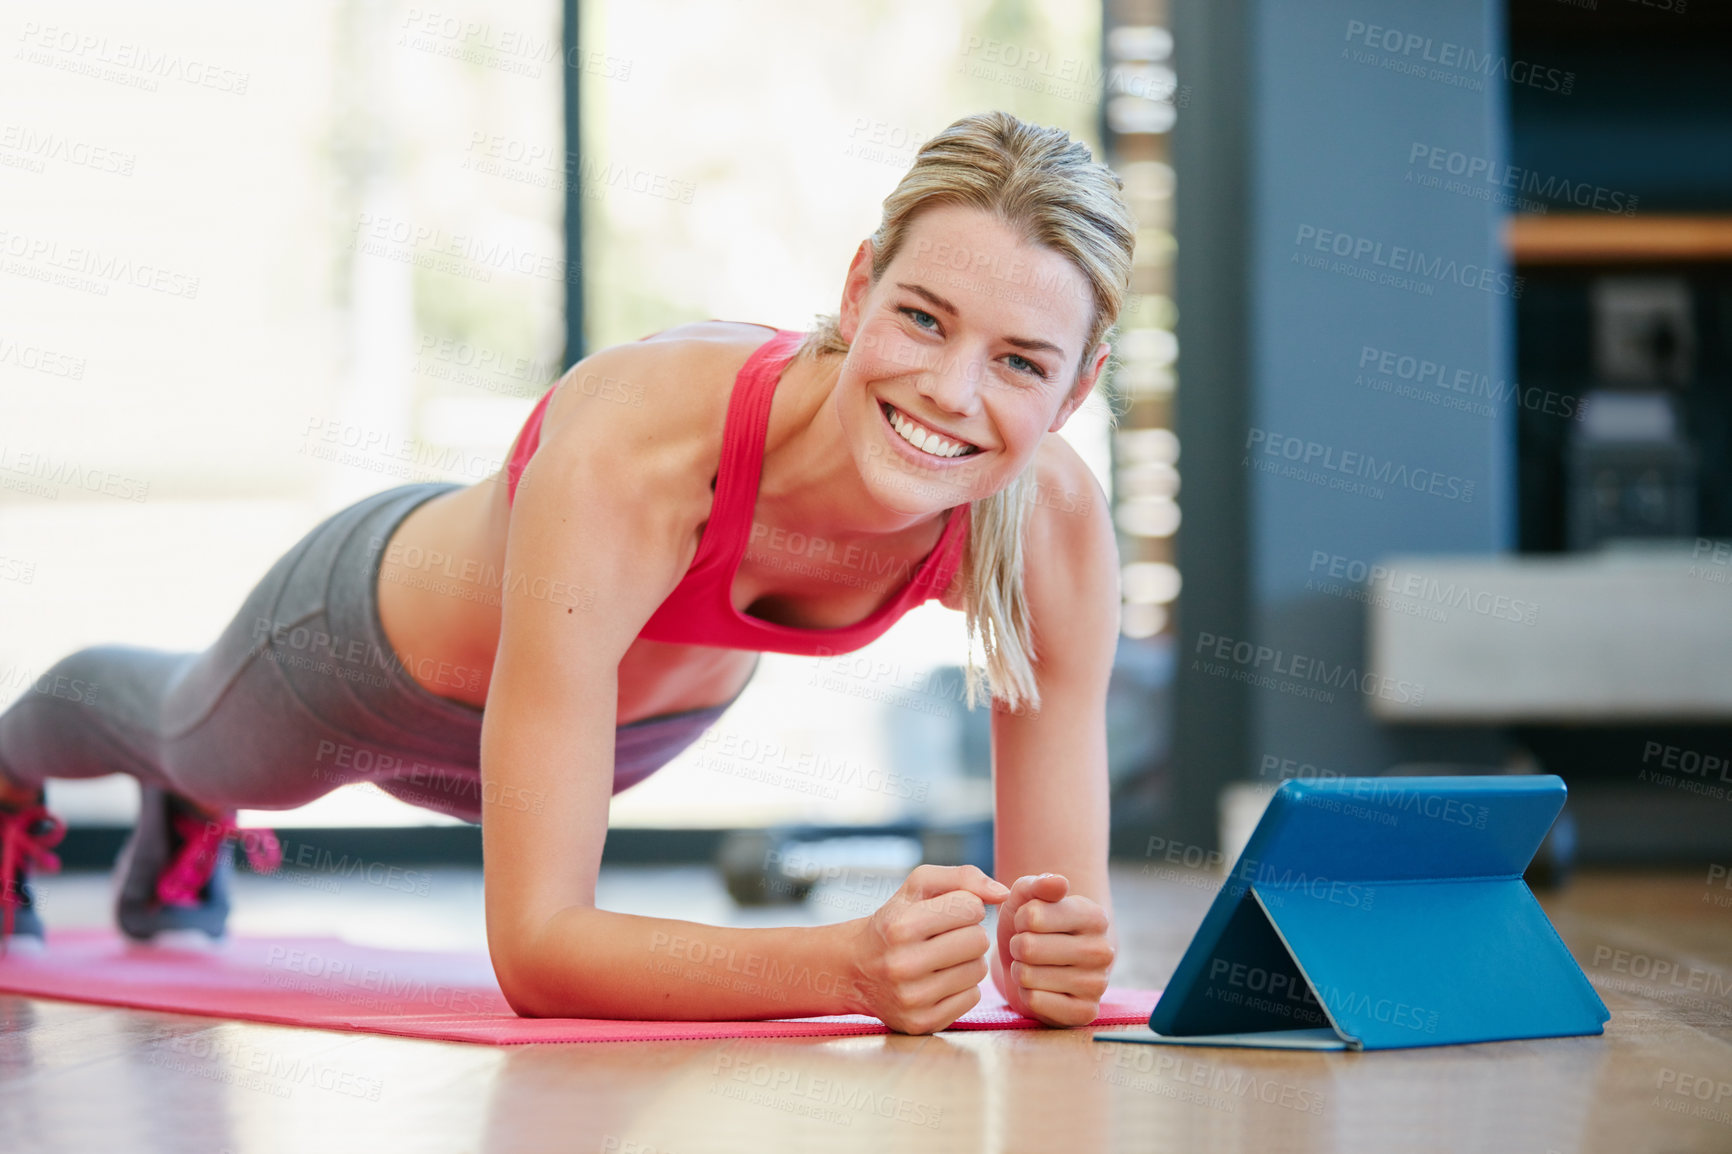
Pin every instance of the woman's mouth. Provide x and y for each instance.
(927, 441)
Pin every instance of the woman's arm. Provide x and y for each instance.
(597, 541)
(1050, 768)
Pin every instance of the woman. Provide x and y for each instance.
(515, 652)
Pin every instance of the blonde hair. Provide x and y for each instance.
(1049, 188)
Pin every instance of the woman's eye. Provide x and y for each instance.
(1019, 362)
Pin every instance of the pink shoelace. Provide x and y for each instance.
(201, 839)
(21, 847)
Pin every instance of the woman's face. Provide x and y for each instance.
(971, 334)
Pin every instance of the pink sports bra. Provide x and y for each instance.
(700, 610)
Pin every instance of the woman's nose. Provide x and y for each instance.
(952, 383)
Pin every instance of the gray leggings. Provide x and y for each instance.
(300, 694)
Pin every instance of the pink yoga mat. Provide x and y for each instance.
(329, 984)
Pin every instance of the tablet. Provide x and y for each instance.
(1377, 913)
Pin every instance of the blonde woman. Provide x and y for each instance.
(514, 653)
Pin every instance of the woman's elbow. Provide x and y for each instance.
(520, 974)
(526, 1004)
(515, 974)
(535, 980)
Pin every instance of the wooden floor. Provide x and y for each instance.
(75, 1077)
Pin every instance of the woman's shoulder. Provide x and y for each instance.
(1070, 560)
(678, 378)
(710, 333)
(1070, 528)
(1071, 543)
(652, 408)
(698, 352)
(1064, 485)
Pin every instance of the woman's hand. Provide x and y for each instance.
(1053, 952)
(919, 959)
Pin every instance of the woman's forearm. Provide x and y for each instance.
(593, 963)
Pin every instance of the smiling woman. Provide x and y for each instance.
(974, 191)
(516, 651)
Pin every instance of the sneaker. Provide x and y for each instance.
(28, 834)
(174, 871)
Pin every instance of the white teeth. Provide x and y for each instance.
(924, 439)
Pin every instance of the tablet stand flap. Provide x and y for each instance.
(1245, 982)
(1427, 963)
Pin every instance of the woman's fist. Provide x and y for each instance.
(1054, 954)
(919, 959)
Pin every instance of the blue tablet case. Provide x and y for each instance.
(1376, 913)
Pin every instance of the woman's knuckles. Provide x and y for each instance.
(1060, 1010)
(962, 907)
(899, 933)
(901, 969)
(1034, 916)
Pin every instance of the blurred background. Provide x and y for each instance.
(1437, 301)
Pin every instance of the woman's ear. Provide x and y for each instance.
(854, 290)
(1085, 383)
